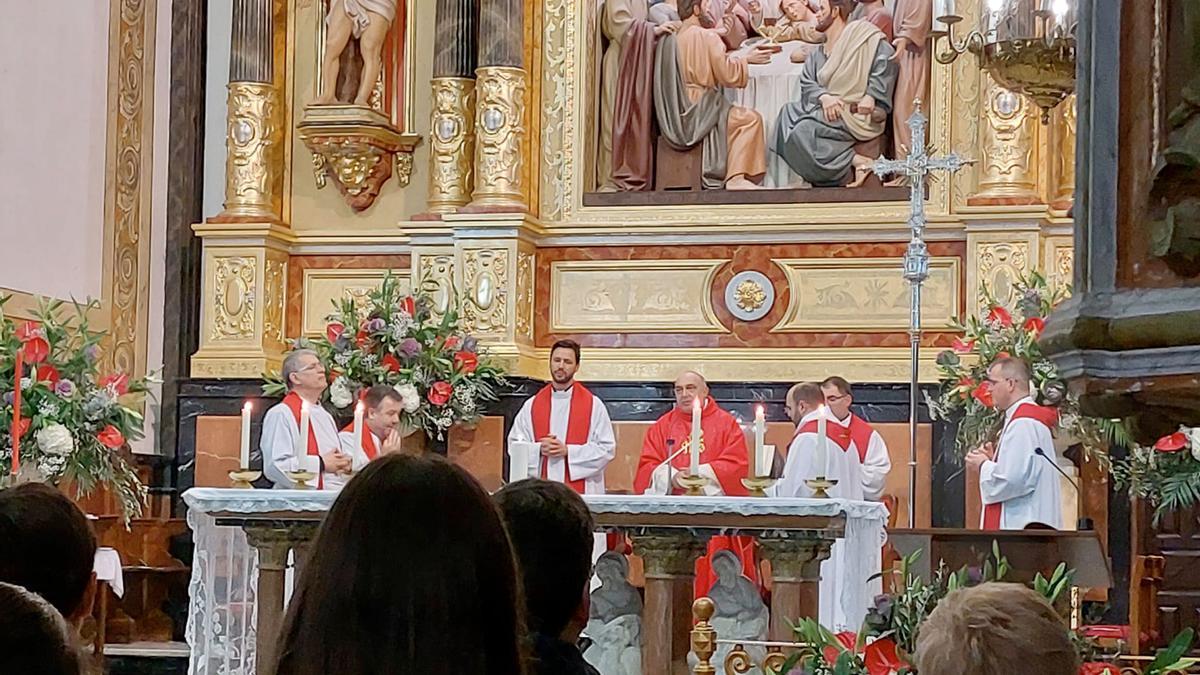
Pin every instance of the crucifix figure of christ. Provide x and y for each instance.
(916, 167)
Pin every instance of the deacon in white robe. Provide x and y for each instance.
(305, 375)
(381, 414)
(1017, 485)
(860, 472)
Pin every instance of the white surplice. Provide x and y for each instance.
(587, 462)
(278, 445)
(1024, 483)
(353, 449)
(856, 479)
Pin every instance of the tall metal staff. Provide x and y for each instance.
(918, 165)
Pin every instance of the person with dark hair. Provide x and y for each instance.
(47, 547)
(411, 573)
(551, 532)
(34, 637)
(563, 432)
(381, 415)
(865, 460)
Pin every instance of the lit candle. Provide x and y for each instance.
(15, 431)
(694, 465)
(245, 454)
(822, 440)
(760, 430)
(359, 428)
(302, 439)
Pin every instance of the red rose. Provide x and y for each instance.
(1035, 325)
(36, 350)
(1173, 443)
(28, 330)
(1000, 316)
(334, 330)
(360, 338)
(880, 658)
(110, 437)
(466, 361)
(390, 362)
(452, 342)
(961, 347)
(983, 394)
(1097, 668)
(118, 383)
(47, 373)
(23, 427)
(439, 392)
(409, 305)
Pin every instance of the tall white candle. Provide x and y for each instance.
(302, 439)
(359, 429)
(518, 462)
(244, 456)
(760, 431)
(822, 441)
(694, 464)
(942, 8)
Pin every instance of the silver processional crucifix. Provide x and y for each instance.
(916, 167)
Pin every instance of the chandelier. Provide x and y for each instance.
(1028, 46)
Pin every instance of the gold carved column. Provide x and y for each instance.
(1063, 194)
(500, 108)
(1008, 137)
(452, 157)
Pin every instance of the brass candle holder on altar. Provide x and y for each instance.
(243, 478)
(758, 485)
(693, 485)
(820, 486)
(301, 478)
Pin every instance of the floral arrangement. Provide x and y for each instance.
(442, 376)
(1166, 475)
(964, 396)
(74, 421)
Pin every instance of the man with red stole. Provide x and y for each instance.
(1018, 485)
(304, 375)
(723, 461)
(381, 414)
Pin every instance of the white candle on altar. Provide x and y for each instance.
(244, 456)
(760, 430)
(302, 439)
(822, 440)
(359, 429)
(694, 464)
(518, 462)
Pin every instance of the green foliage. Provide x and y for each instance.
(1170, 481)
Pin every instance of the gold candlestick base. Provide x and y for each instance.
(242, 478)
(301, 478)
(693, 485)
(820, 486)
(758, 485)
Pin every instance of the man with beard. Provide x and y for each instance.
(570, 426)
(845, 97)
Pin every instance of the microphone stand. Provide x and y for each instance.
(1083, 522)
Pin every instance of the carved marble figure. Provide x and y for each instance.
(369, 22)
(615, 619)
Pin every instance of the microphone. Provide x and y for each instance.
(1042, 453)
(667, 461)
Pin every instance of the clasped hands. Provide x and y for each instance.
(984, 453)
(552, 447)
(833, 107)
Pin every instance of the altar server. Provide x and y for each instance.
(304, 375)
(1018, 482)
(866, 449)
(381, 415)
(563, 433)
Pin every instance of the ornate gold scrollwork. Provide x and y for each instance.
(1008, 173)
(500, 129)
(1001, 264)
(358, 149)
(233, 299)
(485, 272)
(525, 276)
(452, 143)
(252, 146)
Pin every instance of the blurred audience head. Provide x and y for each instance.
(34, 637)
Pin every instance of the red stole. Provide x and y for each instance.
(368, 440)
(294, 402)
(1047, 417)
(579, 425)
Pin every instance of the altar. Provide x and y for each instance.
(247, 540)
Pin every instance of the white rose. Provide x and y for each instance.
(1193, 436)
(55, 440)
(410, 398)
(339, 393)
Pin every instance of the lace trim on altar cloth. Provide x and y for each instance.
(222, 612)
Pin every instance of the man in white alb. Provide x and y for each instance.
(304, 376)
(866, 444)
(1018, 485)
(566, 431)
(381, 414)
(859, 476)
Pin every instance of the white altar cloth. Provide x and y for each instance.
(222, 613)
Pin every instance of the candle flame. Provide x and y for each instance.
(248, 406)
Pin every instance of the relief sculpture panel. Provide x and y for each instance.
(611, 296)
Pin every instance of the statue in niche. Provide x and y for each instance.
(833, 134)
(367, 21)
(912, 22)
(615, 620)
(741, 614)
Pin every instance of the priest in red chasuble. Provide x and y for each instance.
(723, 460)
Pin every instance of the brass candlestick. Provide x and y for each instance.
(242, 478)
(693, 485)
(301, 478)
(820, 486)
(758, 485)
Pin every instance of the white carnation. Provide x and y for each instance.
(410, 398)
(55, 439)
(1193, 436)
(339, 393)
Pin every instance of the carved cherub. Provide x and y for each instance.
(367, 20)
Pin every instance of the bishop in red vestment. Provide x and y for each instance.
(723, 460)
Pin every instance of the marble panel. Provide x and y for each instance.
(298, 265)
